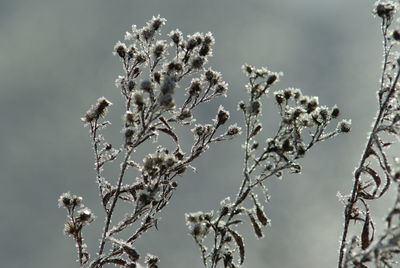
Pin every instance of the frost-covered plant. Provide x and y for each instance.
(377, 171)
(153, 70)
(304, 122)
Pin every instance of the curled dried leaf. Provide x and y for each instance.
(375, 176)
(239, 242)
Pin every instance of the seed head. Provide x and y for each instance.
(160, 49)
(222, 116)
(271, 79)
(279, 98)
(69, 228)
(195, 86)
(138, 99)
(147, 86)
(131, 85)
(323, 112)
(65, 200)
(254, 107)
(205, 50)
(166, 100)
(198, 62)
(85, 215)
(209, 39)
(287, 93)
(97, 111)
(168, 85)
(344, 126)
(211, 76)
(176, 36)
(233, 130)
(221, 88)
(396, 35)
(335, 112)
(385, 10)
(156, 22)
(120, 49)
(248, 69)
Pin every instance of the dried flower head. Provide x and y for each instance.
(176, 36)
(385, 9)
(120, 49)
(222, 116)
(85, 215)
(97, 111)
(65, 200)
(344, 126)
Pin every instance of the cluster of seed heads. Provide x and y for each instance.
(154, 70)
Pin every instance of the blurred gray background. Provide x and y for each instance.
(56, 60)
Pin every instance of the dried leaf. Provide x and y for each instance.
(131, 252)
(260, 212)
(365, 242)
(243, 196)
(255, 131)
(170, 133)
(371, 152)
(386, 144)
(256, 227)
(374, 175)
(261, 216)
(239, 242)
